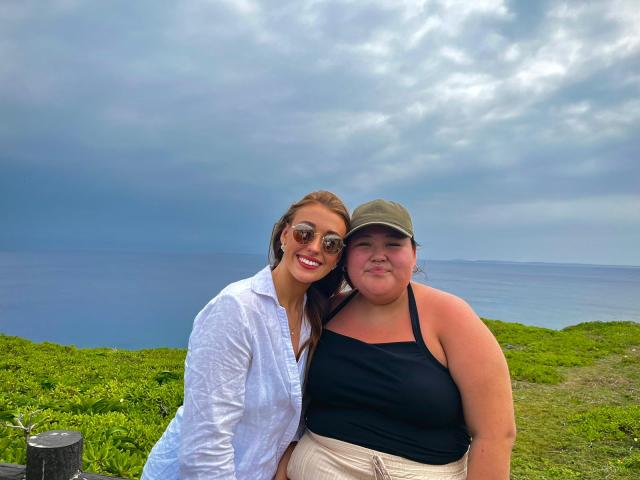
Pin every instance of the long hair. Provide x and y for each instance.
(321, 291)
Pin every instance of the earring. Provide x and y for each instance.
(282, 248)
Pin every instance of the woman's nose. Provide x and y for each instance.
(377, 253)
(316, 244)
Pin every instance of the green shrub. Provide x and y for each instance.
(536, 354)
(604, 423)
(122, 400)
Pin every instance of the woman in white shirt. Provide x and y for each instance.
(247, 353)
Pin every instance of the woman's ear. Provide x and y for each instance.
(283, 234)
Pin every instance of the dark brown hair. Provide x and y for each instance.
(321, 291)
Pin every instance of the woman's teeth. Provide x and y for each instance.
(309, 262)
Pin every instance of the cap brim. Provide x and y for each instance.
(368, 224)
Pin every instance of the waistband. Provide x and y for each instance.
(385, 462)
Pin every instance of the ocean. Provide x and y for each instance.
(145, 300)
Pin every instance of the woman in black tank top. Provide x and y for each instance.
(406, 380)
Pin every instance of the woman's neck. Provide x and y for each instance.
(389, 309)
(289, 291)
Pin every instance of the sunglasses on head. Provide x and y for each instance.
(305, 234)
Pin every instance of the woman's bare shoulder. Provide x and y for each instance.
(437, 298)
(460, 331)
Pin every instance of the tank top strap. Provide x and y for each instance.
(415, 320)
(340, 306)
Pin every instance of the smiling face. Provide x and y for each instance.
(308, 263)
(380, 263)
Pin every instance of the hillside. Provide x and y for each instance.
(576, 397)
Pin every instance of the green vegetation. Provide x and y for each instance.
(576, 395)
(121, 401)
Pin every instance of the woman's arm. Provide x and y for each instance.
(214, 390)
(281, 473)
(480, 371)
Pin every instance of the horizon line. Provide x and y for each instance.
(203, 252)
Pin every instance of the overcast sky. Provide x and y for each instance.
(510, 129)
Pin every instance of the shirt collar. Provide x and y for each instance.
(262, 283)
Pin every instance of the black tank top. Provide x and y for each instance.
(391, 397)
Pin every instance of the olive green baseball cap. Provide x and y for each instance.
(381, 212)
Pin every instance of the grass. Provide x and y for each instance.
(576, 398)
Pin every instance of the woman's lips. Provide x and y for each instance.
(308, 262)
(377, 270)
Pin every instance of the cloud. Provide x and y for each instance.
(601, 210)
(485, 109)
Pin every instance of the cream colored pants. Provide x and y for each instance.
(322, 458)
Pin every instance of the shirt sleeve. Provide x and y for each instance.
(216, 369)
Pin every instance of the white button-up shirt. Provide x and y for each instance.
(242, 390)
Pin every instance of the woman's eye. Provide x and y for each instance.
(332, 243)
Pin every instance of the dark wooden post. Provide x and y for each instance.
(54, 455)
